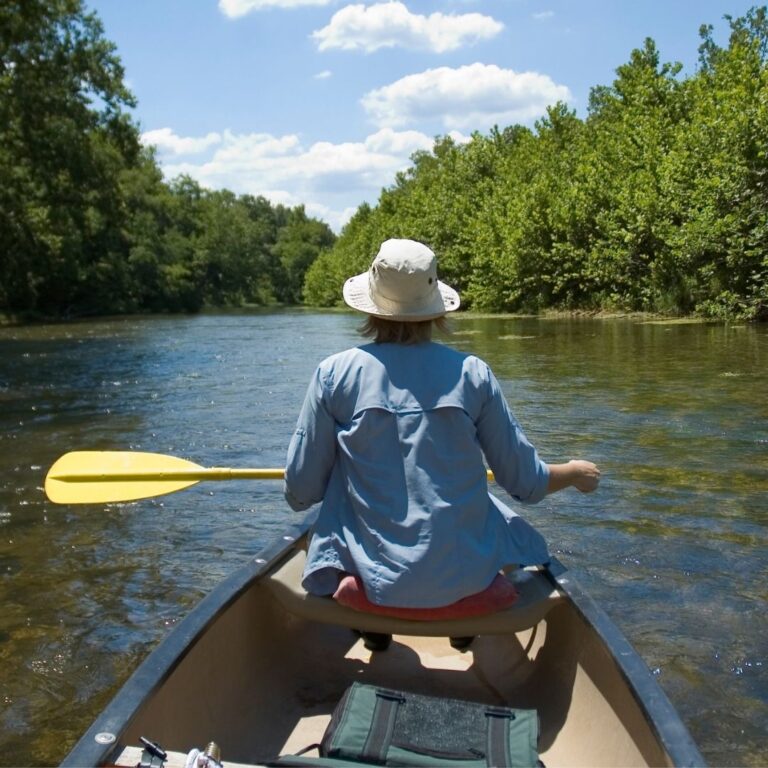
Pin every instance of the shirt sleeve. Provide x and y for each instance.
(514, 461)
(312, 449)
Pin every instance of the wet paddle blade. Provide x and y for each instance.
(97, 477)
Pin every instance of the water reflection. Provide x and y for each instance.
(673, 545)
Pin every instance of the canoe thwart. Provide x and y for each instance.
(537, 598)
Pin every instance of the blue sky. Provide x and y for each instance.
(321, 102)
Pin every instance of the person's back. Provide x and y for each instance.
(404, 411)
(393, 438)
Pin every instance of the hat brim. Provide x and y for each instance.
(357, 295)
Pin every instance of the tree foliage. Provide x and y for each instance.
(656, 201)
(87, 223)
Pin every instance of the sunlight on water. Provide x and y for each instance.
(673, 545)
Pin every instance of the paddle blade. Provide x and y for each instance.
(98, 477)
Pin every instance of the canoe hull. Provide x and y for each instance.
(261, 680)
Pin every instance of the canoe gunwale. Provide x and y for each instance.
(661, 716)
(151, 674)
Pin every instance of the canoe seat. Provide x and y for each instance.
(537, 597)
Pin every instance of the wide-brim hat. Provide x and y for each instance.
(401, 284)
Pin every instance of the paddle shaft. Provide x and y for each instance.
(191, 475)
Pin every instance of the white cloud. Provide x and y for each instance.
(331, 180)
(473, 97)
(165, 139)
(237, 8)
(255, 146)
(324, 75)
(543, 15)
(386, 25)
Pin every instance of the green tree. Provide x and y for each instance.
(299, 243)
(162, 226)
(632, 127)
(497, 252)
(352, 253)
(64, 140)
(718, 176)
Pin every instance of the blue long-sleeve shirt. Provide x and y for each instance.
(391, 439)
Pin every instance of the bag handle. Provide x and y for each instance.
(497, 736)
(382, 726)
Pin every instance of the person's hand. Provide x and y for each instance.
(586, 475)
(576, 473)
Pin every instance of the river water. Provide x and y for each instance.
(673, 545)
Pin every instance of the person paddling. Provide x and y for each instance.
(393, 439)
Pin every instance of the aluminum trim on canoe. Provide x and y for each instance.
(663, 717)
(95, 747)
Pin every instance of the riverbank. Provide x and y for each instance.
(7, 321)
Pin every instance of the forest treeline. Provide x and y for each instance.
(87, 223)
(656, 201)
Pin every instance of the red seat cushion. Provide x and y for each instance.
(499, 595)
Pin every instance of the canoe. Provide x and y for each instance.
(258, 666)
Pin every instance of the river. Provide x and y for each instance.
(673, 545)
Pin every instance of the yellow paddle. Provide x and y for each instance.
(99, 477)
(93, 477)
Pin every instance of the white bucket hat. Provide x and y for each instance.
(401, 284)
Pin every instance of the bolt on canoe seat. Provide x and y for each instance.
(537, 598)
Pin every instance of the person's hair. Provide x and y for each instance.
(401, 332)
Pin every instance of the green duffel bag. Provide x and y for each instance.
(377, 726)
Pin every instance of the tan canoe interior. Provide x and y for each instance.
(264, 678)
